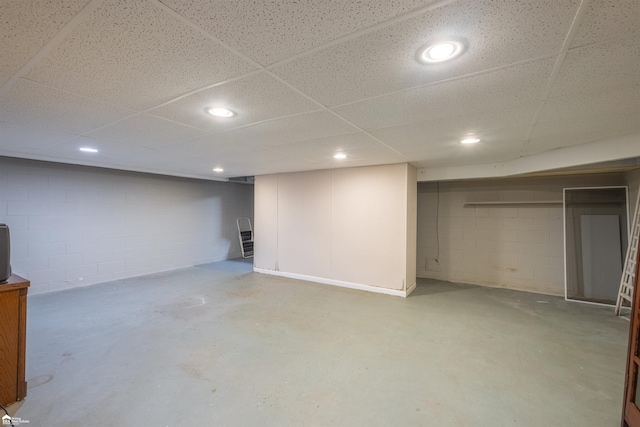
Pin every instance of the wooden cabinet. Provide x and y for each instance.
(13, 328)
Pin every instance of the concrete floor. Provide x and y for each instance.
(218, 345)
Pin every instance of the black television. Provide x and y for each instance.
(5, 253)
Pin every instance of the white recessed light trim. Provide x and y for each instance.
(218, 170)
(88, 150)
(221, 112)
(441, 51)
(340, 156)
(469, 139)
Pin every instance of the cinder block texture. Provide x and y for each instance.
(75, 226)
(516, 246)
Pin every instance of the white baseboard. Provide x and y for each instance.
(411, 289)
(350, 285)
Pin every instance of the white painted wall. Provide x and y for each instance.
(74, 226)
(348, 225)
(511, 246)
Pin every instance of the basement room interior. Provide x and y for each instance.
(331, 213)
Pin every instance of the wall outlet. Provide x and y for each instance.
(432, 265)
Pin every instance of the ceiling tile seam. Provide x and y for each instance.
(208, 35)
(301, 93)
(543, 98)
(369, 134)
(51, 44)
(269, 72)
(147, 110)
(571, 34)
(606, 40)
(210, 133)
(364, 31)
(236, 52)
(202, 89)
(106, 165)
(449, 80)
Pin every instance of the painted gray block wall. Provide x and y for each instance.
(633, 182)
(74, 226)
(512, 246)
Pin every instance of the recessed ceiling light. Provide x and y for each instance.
(441, 51)
(218, 170)
(221, 112)
(340, 156)
(469, 140)
(88, 150)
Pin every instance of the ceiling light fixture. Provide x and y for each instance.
(221, 112)
(441, 51)
(339, 156)
(218, 170)
(88, 150)
(469, 139)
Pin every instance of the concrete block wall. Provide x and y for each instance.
(512, 246)
(75, 226)
(632, 179)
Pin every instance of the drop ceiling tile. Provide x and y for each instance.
(360, 162)
(269, 31)
(30, 103)
(357, 146)
(286, 130)
(598, 66)
(200, 156)
(136, 54)
(145, 131)
(498, 33)
(592, 104)
(111, 154)
(607, 19)
(254, 98)
(413, 137)
(589, 128)
(26, 138)
(501, 89)
(26, 28)
(497, 145)
(267, 162)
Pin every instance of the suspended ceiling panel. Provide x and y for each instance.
(498, 90)
(498, 34)
(607, 19)
(254, 98)
(27, 26)
(136, 55)
(302, 127)
(359, 146)
(134, 79)
(33, 104)
(263, 30)
(145, 130)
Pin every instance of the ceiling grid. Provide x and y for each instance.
(306, 80)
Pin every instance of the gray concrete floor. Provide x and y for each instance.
(218, 345)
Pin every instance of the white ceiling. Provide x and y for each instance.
(133, 78)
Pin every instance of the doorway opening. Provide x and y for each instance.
(596, 224)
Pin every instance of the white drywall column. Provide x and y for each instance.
(352, 227)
